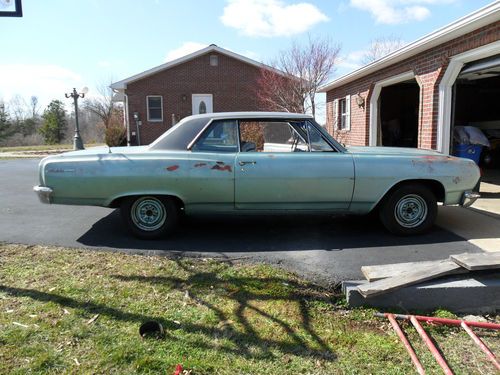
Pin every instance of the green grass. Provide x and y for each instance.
(43, 148)
(219, 317)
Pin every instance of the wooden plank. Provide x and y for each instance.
(444, 267)
(477, 261)
(382, 271)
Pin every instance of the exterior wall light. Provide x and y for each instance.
(360, 101)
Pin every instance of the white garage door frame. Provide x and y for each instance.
(374, 102)
(445, 90)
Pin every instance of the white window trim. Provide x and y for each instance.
(336, 123)
(338, 114)
(147, 107)
(347, 113)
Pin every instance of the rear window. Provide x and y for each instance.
(178, 138)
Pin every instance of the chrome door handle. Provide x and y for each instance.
(242, 163)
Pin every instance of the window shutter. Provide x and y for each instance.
(348, 112)
(335, 114)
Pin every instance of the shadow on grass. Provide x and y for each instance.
(243, 291)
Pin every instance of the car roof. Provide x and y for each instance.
(254, 114)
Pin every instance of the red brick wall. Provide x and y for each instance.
(232, 84)
(428, 67)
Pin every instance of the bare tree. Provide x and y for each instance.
(298, 73)
(103, 105)
(381, 47)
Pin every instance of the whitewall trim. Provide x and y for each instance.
(374, 101)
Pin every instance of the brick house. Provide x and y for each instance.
(414, 96)
(212, 79)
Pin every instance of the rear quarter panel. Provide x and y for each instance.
(377, 174)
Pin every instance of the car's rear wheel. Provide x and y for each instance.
(409, 209)
(149, 217)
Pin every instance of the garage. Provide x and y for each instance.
(399, 104)
(475, 105)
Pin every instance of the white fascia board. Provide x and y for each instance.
(482, 17)
(211, 48)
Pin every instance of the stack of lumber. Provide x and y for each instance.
(388, 277)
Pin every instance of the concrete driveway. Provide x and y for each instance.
(324, 249)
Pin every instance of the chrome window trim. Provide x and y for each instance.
(191, 144)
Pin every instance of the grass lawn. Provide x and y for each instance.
(43, 148)
(72, 311)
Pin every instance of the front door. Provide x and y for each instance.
(202, 103)
(278, 169)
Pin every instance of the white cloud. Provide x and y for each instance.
(271, 18)
(185, 49)
(397, 11)
(47, 82)
(351, 61)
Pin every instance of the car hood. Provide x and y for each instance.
(391, 151)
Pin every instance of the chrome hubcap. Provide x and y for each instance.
(410, 211)
(148, 213)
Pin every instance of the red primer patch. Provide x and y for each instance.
(172, 168)
(218, 167)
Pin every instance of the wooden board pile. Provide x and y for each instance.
(387, 277)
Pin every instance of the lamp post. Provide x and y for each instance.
(77, 141)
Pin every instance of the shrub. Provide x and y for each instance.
(115, 135)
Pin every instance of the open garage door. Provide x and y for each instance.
(398, 122)
(476, 103)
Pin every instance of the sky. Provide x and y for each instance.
(61, 44)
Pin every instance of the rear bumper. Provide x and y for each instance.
(469, 197)
(44, 193)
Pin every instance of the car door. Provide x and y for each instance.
(211, 173)
(286, 171)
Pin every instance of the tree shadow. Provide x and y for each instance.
(198, 284)
(244, 336)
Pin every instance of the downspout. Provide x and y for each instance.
(125, 115)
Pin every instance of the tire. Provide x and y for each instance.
(150, 217)
(408, 210)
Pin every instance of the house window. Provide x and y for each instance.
(214, 60)
(344, 113)
(155, 108)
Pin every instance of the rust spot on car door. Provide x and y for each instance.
(172, 168)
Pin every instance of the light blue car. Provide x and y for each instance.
(257, 163)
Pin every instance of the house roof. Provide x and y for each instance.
(121, 85)
(475, 20)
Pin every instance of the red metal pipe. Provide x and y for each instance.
(435, 352)
(452, 322)
(407, 345)
(481, 344)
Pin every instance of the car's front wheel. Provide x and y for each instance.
(149, 217)
(409, 209)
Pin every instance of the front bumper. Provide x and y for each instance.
(469, 197)
(44, 193)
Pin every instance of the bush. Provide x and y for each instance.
(115, 135)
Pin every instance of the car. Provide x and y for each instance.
(257, 163)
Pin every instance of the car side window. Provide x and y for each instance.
(221, 136)
(270, 136)
(316, 140)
